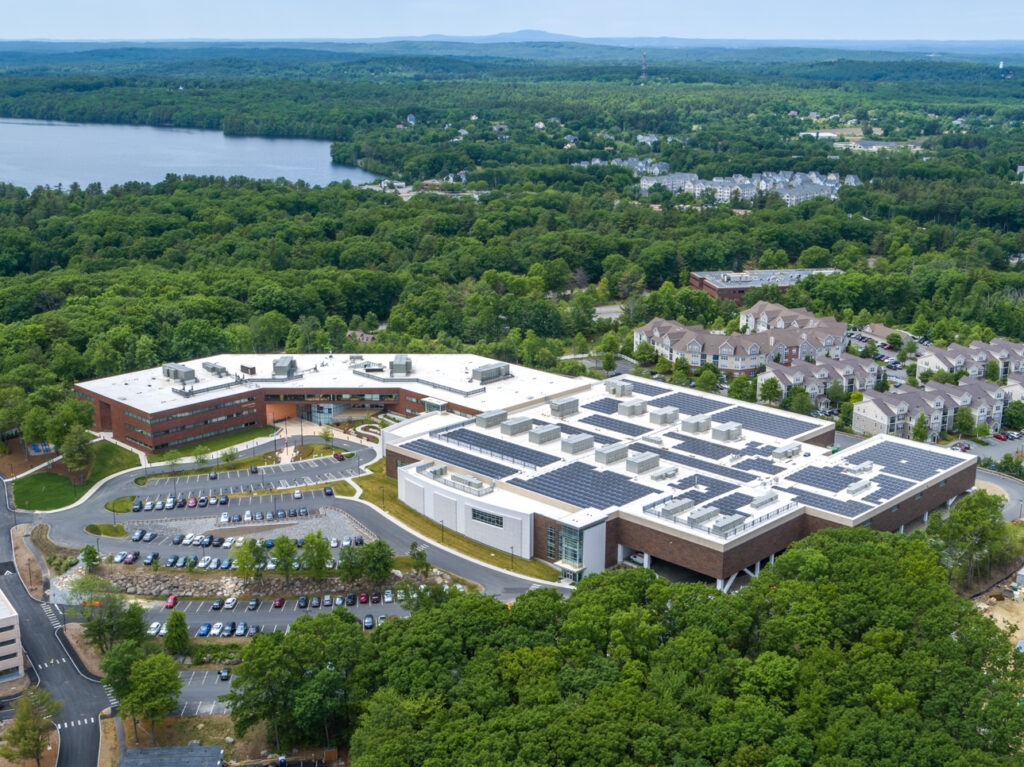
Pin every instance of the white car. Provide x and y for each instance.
(217, 628)
(204, 562)
(239, 541)
(388, 597)
(119, 557)
(224, 518)
(297, 495)
(187, 540)
(170, 502)
(248, 515)
(163, 630)
(154, 628)
(334, 543)
(229, 603)
(229, 542)
(346, 541)
(401, 595)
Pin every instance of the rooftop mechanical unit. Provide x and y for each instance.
(676, 506)
(786, 451)
(492, 371)
(216, 368)
(577, 443)
(727, 432)
(285, 366)
(695, 424)
(642, 462)
(664, 415)
(632, 407)
(764, 500)
(178, 372)
(467, 479)
(860, 468)
(726, 522)
(437, 471)
(565, 406)
(859, 487)
(400, 365)
(491, 418)
(666, 473)
(546, 433)
(516, 426)
(618, 388)
(700, 516)
(608, 454)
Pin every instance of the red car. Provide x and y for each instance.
(171, 602)
(364, 598)
(192, 502)
(339, 456)
(1000, 436)
(279, 602)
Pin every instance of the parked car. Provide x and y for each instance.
(225, 564)
(358, 540)
(388, 597)
(281, 514)
(151, 558)
(203, 500)
(328, 490)
(137, 506)
(334, 543)
(224, 674)
(159, 506)
(171, 561)
(293, 512)
(364, 598)
(224, 518)
(213, 475)
(279, 602)
(303, 602)
(350, 599)
(154, 628)
(1000, 436)
(258, 516)
(297, 495)
(328, 600)
(375, 598)
(242, 630)
(254, 629)
(192, 501)
(254, 604)
(339, 456)
(346, 541)
(368, 622)
(315, 603)
(148, 506)
(229, 603)
(137, 535)
(204, 630)
(254, 469)
(303, 512)
(217, 628)
(223, 500)
(148, 537)
(217, 604)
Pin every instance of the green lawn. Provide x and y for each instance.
(216, 444)
(107, 529)
(120, 505)
(46, 490)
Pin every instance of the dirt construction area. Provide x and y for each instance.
(1006, 614)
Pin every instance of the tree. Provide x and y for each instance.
(920, 430)
(1013, 415)
(608, 361)
(154, 686)
(286, 552)
(645, 354)
(326, 433)
(89, 557)
(316, 553)
(992, 370)
(963, 421)
(707, 381)
(770, 390)
(350, 563)
(201, 456)
(973, 535)
(176, 639)
(983, 430)
(117, 665)
(798, 400)
(742, 388)
(251, 559)
(882, 384)
(378, 561)
(77, 450)
(895, 341)
(229, 455)
(418, 555)
(836, 393)
(28, 734)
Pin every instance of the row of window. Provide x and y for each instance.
(194, 438)
(487, 518)
(317, 397)
(8, 656)
(225, 417)
(186, 413)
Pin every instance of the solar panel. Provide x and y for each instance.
(701, 447)
(648, 390)
(731, 504)
(582, 485)
(614, 424)
(458, 458)
(690, 404)
(826, 503)
(827, 478)
(500, 447)
(904, 460)
(759, 464)
(603, 439)
(756, 448)
(697, 463)
(713, 487)
(889, 487)
(604, 405)
(762, 422)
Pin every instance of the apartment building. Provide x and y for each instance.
(974, 358)
(765, 315)
(851, 372)
(895, 412)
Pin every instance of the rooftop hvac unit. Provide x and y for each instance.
(467, 479)
(516, 426)
(491, 418)
(860, 468)
(726, 522)
(249, 370)
(216, 368)
(400, 365)
(285, 366)
(675, 506)
(546, 433)
(859, 487)
(786, 451)
(608, 454)
(666, 473)
(651, 438)
(632, 407)
(664, 415)
(178, 372)
(577, 443)
(764, 500)
(695, 424)
(618, 388)
(565, 406)
(492, 371)
(726, 432)
(641, 463)
(700, 516)
(437, 471)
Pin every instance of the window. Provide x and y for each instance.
(8, 642)
(552, 543)
(487, 518)
(7, 628)
(8, 656)
(570, 546)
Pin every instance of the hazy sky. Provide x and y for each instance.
(262, 19)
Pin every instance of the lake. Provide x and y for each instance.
(42, 153)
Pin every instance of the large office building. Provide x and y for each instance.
(582, 474)
(735, 285)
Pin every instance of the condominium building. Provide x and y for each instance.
(765, 315)
(1007, 354)
(896, 412)
(851, 372)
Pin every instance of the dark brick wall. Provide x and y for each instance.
(540, 537)
(931, 499)
(825, 439)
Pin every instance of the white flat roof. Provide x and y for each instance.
(6, 608)
(445, 377)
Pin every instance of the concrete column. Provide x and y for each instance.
(926, 517)
(620, 553)
(647, 560)
(901, 529)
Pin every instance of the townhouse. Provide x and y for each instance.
(974, 358)
(851, 372)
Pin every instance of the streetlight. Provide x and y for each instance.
(512, 557)
(442, 532)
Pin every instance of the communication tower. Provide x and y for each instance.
(643, 69)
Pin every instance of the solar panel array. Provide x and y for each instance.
(501, 447)
(648, 390)
(602, 439)
(904, 460)
(764, 423)
(889, 487)
(697, 463)
(582, 485)
(605, 405)
(731, 504)
(827, 478)
(701, 447)
(827, 503)
(756, 448)
(690, 404)
(714, 487)
(759, 464)
(475, 463)
(615, 424)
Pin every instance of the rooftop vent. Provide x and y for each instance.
(546, 433)
(491, 418)
(285, 366)
(492, 371)
(178, 372)
(400, 365)
(216, 368)
(566, 406)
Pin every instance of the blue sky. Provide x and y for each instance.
(762, 19)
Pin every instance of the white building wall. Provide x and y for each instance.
(593, 548)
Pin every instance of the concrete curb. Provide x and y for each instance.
(18, 570)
